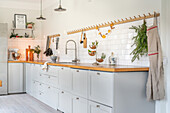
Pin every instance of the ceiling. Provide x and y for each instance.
(28, 1)
(28, 4)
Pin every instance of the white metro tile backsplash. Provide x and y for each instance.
(22, 44)
(119, 42)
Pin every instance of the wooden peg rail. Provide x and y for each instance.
(122, 21)
(52, 36)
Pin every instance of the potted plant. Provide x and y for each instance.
(30, 25)
(37, 51)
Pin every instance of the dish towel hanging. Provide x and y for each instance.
(155, 82)
(45, 66)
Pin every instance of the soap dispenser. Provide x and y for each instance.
(112, 59)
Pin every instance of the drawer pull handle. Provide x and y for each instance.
(62, 92)
(40, 75)
(40, 93)
(77, 98)
(62, 68)
(98, 106)
(49, 87)
(98, 73)
(49, 77)
(77, 70)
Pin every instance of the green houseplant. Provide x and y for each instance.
(37, 51)
(140, 41)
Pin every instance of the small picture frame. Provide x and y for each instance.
(20, 21)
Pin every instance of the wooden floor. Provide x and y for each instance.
(23, 103)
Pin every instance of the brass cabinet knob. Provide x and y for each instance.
(98, 73)
(77, 98)
(98, 106)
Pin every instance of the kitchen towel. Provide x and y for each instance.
(45, 66)
(155, 82)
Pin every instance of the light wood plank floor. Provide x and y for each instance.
(23, 103)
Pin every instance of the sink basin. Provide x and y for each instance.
(67, 62)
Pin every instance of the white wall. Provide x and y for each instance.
(7, 16)
(82, 13)
(164, 106)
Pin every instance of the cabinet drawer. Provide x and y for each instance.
(52, 70)
(101, 87)
(98, 108)
(49, 80)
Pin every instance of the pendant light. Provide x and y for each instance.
(41, 17)
(60, 9)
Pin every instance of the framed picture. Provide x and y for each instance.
(20, 21)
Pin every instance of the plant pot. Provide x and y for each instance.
(99, 60)
(29, 26)
(92, 47)
(92, 53)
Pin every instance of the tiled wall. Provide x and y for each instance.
(119, 42)
(22, 44)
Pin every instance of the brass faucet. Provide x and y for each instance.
(75, 60)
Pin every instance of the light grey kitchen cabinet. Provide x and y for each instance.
(65, 79)
(65, 102)
(86, 91)
(52, 96)
(15, 78)
(98, 108)
(101, 87)
(28, 74)
(80, 80)
(80, 105)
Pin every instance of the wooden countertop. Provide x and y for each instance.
(87, 66)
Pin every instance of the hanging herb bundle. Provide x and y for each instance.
(140, 41)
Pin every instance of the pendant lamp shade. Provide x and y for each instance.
(41, 17)
(60, 9)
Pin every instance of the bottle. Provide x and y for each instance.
(112, 59)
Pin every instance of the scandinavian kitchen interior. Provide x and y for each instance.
(84, 56)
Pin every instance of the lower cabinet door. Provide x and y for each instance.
(34, 88)
(80, 105)
(65, 102)
(101, 87)
(98, 108)
(52, 97)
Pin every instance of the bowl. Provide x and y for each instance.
(53, 58)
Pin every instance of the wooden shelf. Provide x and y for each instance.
(22, 38)
(22, 29)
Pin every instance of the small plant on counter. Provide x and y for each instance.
(30, 25)
(37, 51)
(140, 41)
(13, 35)
(101, 59)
